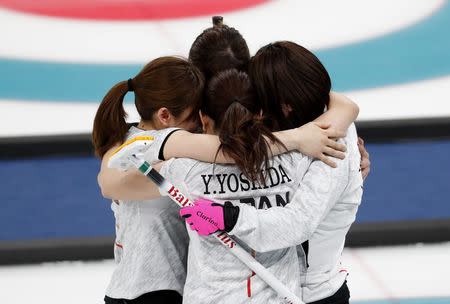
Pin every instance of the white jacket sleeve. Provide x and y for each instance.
(281, 227)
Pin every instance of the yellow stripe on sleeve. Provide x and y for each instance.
(130, 141)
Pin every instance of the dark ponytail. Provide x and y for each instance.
(110, 126)
(243, 136)
(170, 82)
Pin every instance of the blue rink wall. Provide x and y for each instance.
(58, 197)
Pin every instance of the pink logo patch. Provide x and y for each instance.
(127, 9)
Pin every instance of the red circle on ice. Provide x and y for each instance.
(127, 9)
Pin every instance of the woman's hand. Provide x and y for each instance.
(206, 217)
(365, 161)
(318, 140)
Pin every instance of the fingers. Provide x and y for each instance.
(365, 172)
(336, 146)
(202, 232)
(333, 133)
(365, 163)
(212, 231)
(327, 161)
(363, 151)
(365, 167)
(323, 125)
(362, 148)
(185, 212)
(334, 153)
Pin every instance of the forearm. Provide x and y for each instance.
(290, 140)
(341, 113)
(130, 185)
(204, 147)
(311, 139)
(271, 229)
(281, 227)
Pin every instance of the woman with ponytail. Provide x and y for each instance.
(167, 92)
(151, 242)
(232, 112)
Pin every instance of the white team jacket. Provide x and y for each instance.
(321, 212)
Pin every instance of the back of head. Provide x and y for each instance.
(231, 103)
(286, 75)
(170, 82)
(219, 48)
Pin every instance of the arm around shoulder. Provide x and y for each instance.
(341, 113)
(282, 227)
(129, 185)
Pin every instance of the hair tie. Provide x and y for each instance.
(130, 85)
(217, 21)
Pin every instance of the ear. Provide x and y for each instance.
(207, 123)
(164, 117)
(204, 120)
